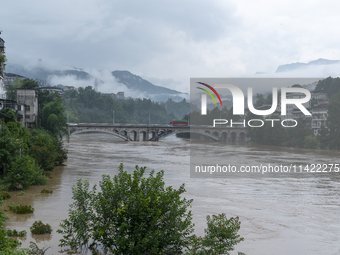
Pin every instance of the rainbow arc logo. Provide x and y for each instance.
(209, 93)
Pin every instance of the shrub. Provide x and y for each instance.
(20, 208)
(40, 228)
(7, 245)
(131, 215)
(4, 195)
(15, 233)
(21, 193)
(46, 191)
(220, 236)
(311, 142)
(23, 174)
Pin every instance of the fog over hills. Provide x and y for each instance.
(108, 82)
(137, 87)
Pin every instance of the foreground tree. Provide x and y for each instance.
(137, 215)
(131, 215)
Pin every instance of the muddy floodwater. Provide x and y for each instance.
(280, 216)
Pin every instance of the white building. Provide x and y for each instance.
(52, 90)
(10, 77)
(319, 116)
(319, 96)
(120, 95)
(29, 98)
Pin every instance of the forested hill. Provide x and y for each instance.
(330, 85)
(85, 105)
(135, 82)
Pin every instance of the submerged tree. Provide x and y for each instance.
(132, 214)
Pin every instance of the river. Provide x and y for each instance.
(281, 216)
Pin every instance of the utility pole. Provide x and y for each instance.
(113, 117)
(149, 117)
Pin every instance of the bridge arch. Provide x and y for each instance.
(123, 132)
(134, 136)
(191, 132)
(242, 137)
(233, 137)
(75, 132)
(224, 137)
(216, 134)
(143, 135)
(152, 134)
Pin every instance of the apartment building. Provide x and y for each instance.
(29, 98)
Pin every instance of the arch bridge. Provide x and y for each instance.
(143, 132)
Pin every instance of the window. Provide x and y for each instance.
(27, 108)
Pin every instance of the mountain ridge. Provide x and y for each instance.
(133, 81)
(298, 65)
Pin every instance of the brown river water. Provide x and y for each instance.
(281, 216)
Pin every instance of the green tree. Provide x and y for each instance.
(333, 122)
(3, 59)
(23, 174)
(9, 149)
(255, 134)
(269, 99)
(273, 131)
(12, 116)
(11, 89)
(131, 215)
(260, 100)
(295, 136)
(47, 150)
(221, 235)
(53, 118)
(330, 85)
(29, 84)
(323, 137)
(296, 86)
(311, 142)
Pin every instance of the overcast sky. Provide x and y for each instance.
(167, 42)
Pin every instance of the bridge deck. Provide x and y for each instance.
(132, 132)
